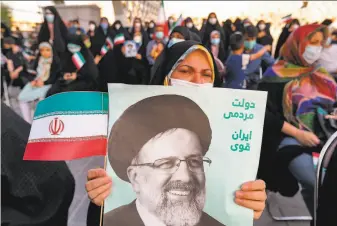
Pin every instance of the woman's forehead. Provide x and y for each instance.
(197, 59)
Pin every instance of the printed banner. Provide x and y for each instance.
(178, 154)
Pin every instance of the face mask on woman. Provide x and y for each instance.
(183, 83)
(174, 41)
(151, 25)
(137, 39)
(189, 24)
(92, 27)
(104, 26)
(215, 41)
(73, 48)
(50, 18)
(117, 26)
(249, 44)
(212, 20)
(312, 53)
(159, 35)
(262, 27)
(137, 25)
(87, 43)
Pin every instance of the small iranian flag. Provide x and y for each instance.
(315, 157)
(179, 22)
(287, 18)
(119, 39)
(104, 50)
(69, 126)
(78, 60)
(109, 43)
(162, 21)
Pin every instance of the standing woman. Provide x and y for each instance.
(103, 54)
(78, 72)
(190, 25)
(139, 71)
(53, 30)
(228, 29)
(264, 37)
(286, 31)
(151, 29)
(217, 46)
(211, 25)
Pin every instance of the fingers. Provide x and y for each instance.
(252, 195)
(96, 193)
(100, 199)
(95, 173)
(98, 182)
(258, 185)
(257, 206)
(257, 214)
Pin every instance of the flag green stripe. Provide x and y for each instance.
(72, 102)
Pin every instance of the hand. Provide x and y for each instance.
(14, 74)
(73, 76)
(268, 47)
(33, 83)
(160, 47)
(138, 56)
(39, 83)
(331, 116)
(97, 59)
(306, 138)
(123, 50)
(252, 196)
(98, 186)
(66, 76)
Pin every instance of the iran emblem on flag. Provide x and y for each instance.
(74, 129)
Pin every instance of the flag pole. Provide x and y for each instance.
(162, 3)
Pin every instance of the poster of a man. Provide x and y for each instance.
(175, 155)
(164, 163)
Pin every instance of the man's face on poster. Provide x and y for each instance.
(171, 189)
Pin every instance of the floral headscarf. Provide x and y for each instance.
(308, 87)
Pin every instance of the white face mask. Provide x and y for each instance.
(73, 48)
(212, 20)
(312, 54)
(295, 26)
(182, 83)
(171, 21)
(189, 25)
(151, 25)
(262, 27)
(137, 25)
(92, 27)
(117, 26)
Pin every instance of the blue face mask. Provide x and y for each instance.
(104, 26)
(249, 44)
(159, 34)
(50, 18)
(328, 41)
(174, 41)
(215, 41)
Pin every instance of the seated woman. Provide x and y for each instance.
(16, 64)
(300, 91)
(47, 70)
(78, 69)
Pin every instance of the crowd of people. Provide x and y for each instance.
(300, 79)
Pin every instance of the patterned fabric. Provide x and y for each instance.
(308, 87)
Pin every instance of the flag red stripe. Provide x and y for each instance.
(58, 151)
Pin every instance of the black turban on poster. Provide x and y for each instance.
(148, 118)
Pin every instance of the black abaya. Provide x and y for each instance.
(60, 32)
(87, 75)
(34, 193)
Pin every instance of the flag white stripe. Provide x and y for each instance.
(74, 126)
(79, 60)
